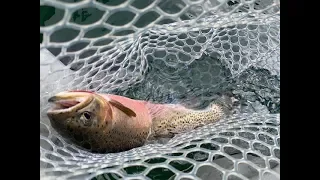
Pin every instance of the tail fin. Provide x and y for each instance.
(226, 103)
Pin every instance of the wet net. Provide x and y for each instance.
(168, 51)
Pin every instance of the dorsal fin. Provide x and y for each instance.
(123, 108)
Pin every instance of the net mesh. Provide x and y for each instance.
(160, 50)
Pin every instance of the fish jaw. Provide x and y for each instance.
(66, 102)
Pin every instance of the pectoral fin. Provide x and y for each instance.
(123, 108)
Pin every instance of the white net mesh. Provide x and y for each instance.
(165, 51)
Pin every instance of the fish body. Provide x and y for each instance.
(112, 123)
(171, 119)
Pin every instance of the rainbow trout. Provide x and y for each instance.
(110, 123)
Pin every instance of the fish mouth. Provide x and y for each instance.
(63, 103)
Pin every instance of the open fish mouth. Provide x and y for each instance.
(64, 104)
(61, 104)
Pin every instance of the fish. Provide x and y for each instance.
(108, 123)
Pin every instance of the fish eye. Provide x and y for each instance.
(86, 118)
(87, 115)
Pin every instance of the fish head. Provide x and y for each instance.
(80, 115)
(89, 119)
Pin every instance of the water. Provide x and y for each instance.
(255, 89)
(195, 85)
(205, 80)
